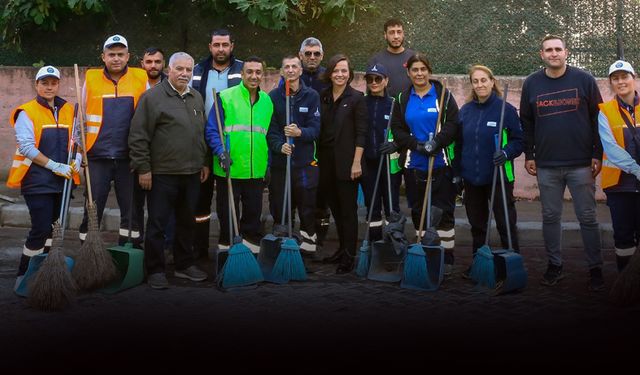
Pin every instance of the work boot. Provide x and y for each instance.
(596, 281)
(333, 258)
(622, 262)
(346, 264)
(552, 275)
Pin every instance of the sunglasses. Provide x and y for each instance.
(314, 53)
(372, 79)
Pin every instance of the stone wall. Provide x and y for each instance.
(19, 87)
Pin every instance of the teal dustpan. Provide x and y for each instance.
(129, 263)
(34, 265)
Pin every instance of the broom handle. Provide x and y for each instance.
(502, 173)
(427, 194)
(388, 158)
(286, 206)
(83, 137)
(232, 206)
(66, 191)
(495, 170)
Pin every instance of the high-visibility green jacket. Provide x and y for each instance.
(245, 130)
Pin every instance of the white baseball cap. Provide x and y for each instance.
(47, 71)
(621, 66)
(115, 39)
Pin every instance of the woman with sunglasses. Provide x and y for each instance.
(379, 106)
(414, 120)
(343, 129)
(480, 154)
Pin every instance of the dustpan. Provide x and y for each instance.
(386, 264)
(128, 260)
(269, 251)
(34, 265)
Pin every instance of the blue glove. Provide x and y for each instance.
(225, 161)
(499, 158)
(428, 148)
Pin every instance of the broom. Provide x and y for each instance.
(94, 267)
(483, 268)
(626, 289)
(289, 264)
(415, 264)
(364, 259)
(53, 287)
(241, 268)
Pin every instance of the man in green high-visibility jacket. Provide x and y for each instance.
(245, 114)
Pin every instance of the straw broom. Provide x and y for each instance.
(94, 267)
(53, 287)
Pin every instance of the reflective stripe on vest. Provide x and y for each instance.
(99, 87)
(245, 131)
(41, 118)
(611, 173)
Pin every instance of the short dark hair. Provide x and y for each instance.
(289, 57)
(392, 22)
(553, 37)
(153, 51)
(253, 58)
(221, 32)
(331, 65)
(419, 57)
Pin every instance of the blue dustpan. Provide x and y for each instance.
(34, 265)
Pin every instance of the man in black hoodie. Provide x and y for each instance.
(559, 114)
(303, 130)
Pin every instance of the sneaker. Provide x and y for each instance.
(552, 276)
(448, 269)
(596, 281)
(192, 273)
(158, 281)
(467, 274)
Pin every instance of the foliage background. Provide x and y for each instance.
(454, 33)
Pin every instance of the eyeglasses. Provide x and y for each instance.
(314, 53)
(372, 79)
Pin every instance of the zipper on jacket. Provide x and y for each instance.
(375, 125)
(251, 140)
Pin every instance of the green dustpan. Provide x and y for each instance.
(129, 263)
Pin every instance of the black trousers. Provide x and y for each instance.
(103, 172)
(168, 194)
(247, 192)
(382, 196)
(44, 210)
(476, 202)
(443, 196)
(342, 198)
(203, 216)
(304, 187)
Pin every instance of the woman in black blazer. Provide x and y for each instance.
(341, 144)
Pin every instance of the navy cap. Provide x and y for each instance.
(377, 69)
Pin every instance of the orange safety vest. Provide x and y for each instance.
(610, 173)
(98, 87)
(42, 118)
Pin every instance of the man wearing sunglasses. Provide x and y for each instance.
(311, 55)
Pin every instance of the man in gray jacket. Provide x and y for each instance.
(168, 150)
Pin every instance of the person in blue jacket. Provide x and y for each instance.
(379, 108)
(479, 155)
(303, 130)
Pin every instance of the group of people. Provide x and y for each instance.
(172, 140)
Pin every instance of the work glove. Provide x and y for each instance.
(428, 148)
(60, 169)
(458, 183)
(499, 158)
(77, 162)
(225, 161)
(388, 147)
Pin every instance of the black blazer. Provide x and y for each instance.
(349, 116)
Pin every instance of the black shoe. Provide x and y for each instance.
(344, 268)
(596, 281)
(333, 258)
(467, 274)
(552, 276)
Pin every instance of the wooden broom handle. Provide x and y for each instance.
(81, 123)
